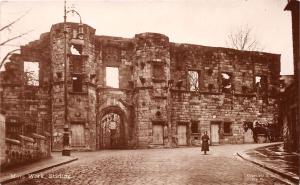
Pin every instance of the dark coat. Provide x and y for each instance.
(205, 146)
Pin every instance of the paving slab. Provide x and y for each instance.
(275, 159)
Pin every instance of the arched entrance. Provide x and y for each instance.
(112, 129)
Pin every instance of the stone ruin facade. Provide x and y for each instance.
(167, 94)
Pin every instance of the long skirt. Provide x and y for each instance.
(205, 146)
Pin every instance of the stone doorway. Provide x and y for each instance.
(112, 131)
(112, 134)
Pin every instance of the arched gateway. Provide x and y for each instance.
(112, 129)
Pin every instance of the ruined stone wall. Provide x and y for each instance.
(115, 52)
(151, 74)
(27, 106)
(242, 104)
(157, 106)
(81, 100)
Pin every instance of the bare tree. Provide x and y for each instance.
(8, 27)
(243, 39)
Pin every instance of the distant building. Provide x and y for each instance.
(139, 92)
(290, 97)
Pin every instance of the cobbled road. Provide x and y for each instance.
(156, 166)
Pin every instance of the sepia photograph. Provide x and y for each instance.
(149, 92)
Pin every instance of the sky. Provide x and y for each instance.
(203, 22)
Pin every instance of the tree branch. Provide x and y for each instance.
(18, 36)
(12, 23)
(9, 53)
(242, 39)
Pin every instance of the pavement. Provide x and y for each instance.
(27, 170)
(224, 164)
(272, 157)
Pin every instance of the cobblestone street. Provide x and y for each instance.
(157, 166)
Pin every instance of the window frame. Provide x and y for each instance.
(197, 87)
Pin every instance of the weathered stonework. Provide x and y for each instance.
(27, 133)
(154, 105)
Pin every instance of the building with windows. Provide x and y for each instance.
(142, 92)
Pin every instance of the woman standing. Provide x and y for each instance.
(205, 146)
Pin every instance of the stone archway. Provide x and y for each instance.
(112, 129)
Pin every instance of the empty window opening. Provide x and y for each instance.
(77, 83)
(226, 82)
(193, 79)
(261, 82)
(227, 128)
(112, 77)
(76, 49)
(93, 78)
(257, 81)
(31, 73)
(194, 127)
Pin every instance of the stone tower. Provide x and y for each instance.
(81, 88)
(152, 74)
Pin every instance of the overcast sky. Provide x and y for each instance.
(203, 22)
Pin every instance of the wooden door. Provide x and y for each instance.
(182, 139)
(158, 134)
(77, 135)
(214, 134)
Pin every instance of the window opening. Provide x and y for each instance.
(194, 127)
(226, 82)
(31, 73)
(76, 49)
(112, 77)
(193, 79)
(227, 127)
